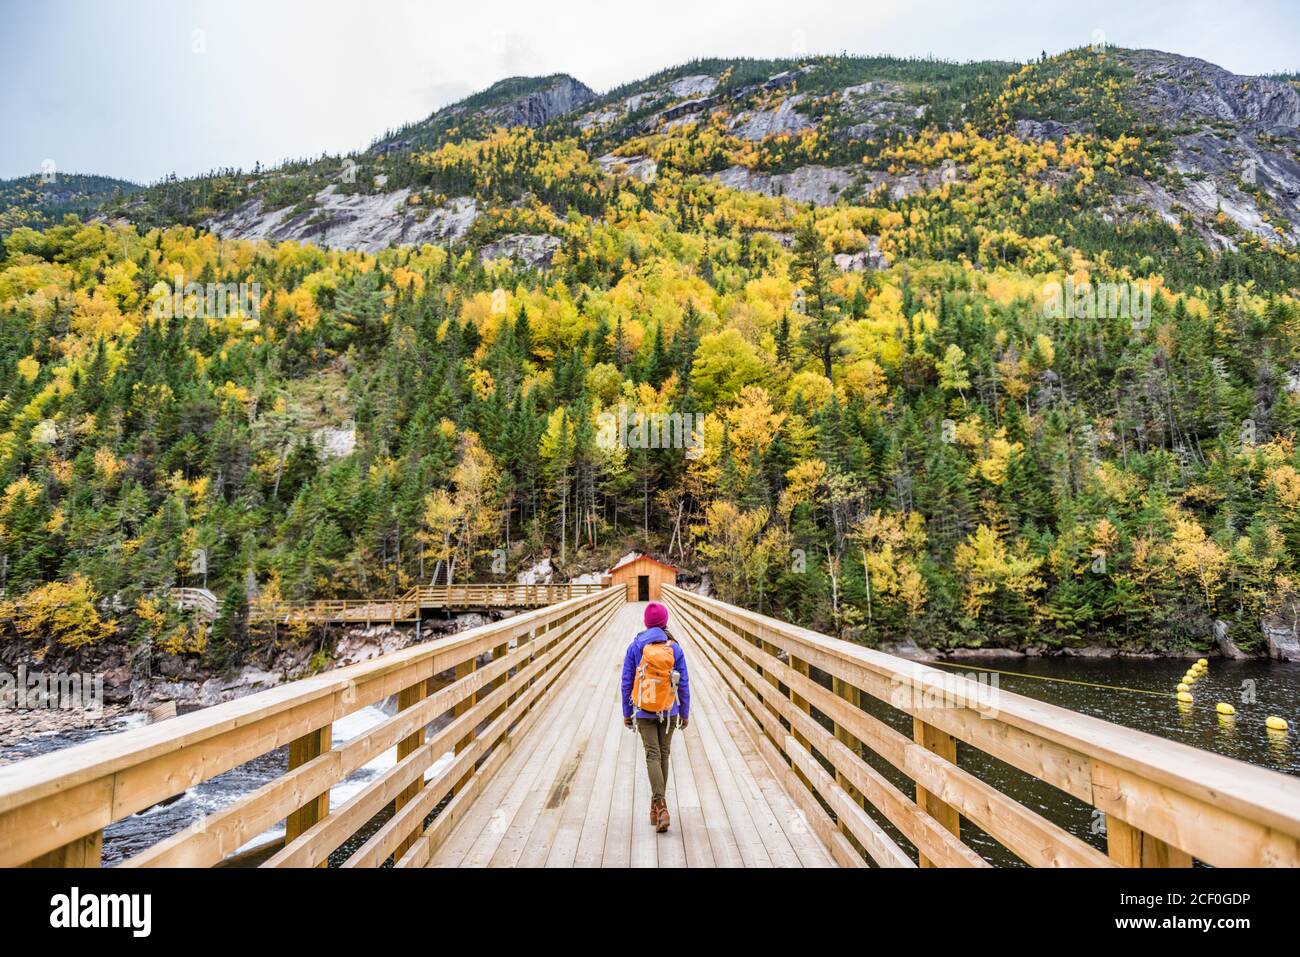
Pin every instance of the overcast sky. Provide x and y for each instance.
(141, 88)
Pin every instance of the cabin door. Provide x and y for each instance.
(642, 587)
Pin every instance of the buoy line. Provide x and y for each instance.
(1272, 722)
(1066, 681)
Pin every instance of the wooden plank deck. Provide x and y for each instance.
(574, 792)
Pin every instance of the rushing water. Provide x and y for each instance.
(1094, 686)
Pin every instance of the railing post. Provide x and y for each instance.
(301, 750)
(499, 652)
(801, 667)
(463, 670)
(409, 698)
(945, 745)
(83, 852)
(851, 694)
(1128, 846)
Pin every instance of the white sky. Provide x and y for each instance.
(129, 88)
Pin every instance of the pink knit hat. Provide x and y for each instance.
(656, 615)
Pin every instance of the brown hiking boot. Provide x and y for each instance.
(654, 812)
(661, 824)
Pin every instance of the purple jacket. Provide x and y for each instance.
(682, 705)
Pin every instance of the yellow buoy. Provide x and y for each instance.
(1274, 723)
(1224, 708)
(1190, 677)
(1185, 697)
(1184, 686)
(1203, 662)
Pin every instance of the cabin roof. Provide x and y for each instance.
(638, 558)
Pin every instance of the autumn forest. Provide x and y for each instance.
(915, 449)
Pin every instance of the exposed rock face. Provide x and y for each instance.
(685, 87)
(820, 185)
(1283, 639)
(1179, 87)
(248, 680)
(901, 185)
(535, 250)
(785, 118)
(365, 222)
(540, 573)
(1041, 130)
(699, 85)
(874, 104)
(642, 168)
(335, 443)
(1233, 135)
(869, 258)
(1227, 647)
(359, 645)
(539, 108)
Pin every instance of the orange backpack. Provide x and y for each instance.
(654, 688)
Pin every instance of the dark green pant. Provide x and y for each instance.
(657, 738)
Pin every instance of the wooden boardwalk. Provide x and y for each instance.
(409, 607)
(574, 791)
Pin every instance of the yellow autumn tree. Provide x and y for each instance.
(477, 502)
(732, 542)
(436, 528)
(988, 567)
(62, 612)
(1196, 556)
(892, 545)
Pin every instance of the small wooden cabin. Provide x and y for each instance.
(643, 575)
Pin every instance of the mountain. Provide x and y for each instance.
(971, 355)
(518, 101)
(1197, 150)
(44, 199)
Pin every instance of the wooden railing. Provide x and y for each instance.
(392, 610)
(1157, 802)
(407, 607)
(501, 596)
(485, 684)
(196, 599)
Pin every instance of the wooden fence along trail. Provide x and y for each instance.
(403, 608)
(770, 772)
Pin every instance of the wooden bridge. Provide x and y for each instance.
(802, 750)
(409, 607)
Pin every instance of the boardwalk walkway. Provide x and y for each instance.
(575, 792)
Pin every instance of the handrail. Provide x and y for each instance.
(1161, 803)
(53, 808)
(198, 599)
(407, 607)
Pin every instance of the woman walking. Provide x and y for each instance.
(656, 701)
